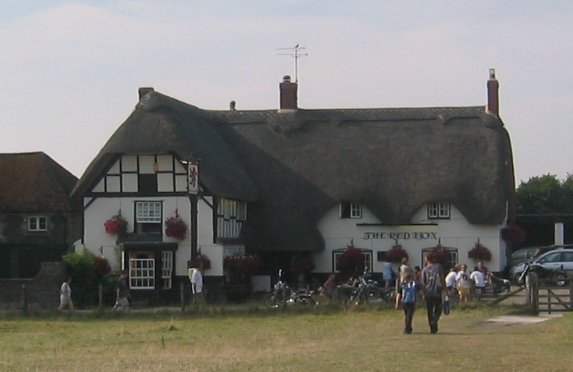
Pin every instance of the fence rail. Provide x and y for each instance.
(544, 295)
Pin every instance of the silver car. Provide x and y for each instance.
(532, 254)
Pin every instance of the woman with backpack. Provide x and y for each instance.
(407, 298)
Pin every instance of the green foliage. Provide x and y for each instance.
(545, 194)
(87, 272)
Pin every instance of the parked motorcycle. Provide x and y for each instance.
(366, 290)
(557, 277)
(500, 285)
(282, 295)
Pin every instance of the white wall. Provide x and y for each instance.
(453, 233)
(101, 209)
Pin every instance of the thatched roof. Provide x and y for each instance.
(298, 164)
(34, 183)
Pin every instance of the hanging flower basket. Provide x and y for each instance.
(303, 265)
(244, 265)
(479, 253)
(175, 227)
(513, 234)
(351, 262)
(440, 255)
(116, 225)
(396, 254)
(202, 260)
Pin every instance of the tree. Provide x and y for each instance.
(545, 194)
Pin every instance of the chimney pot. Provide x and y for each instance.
(492, 93)
(232, 105)
(144, 91)
(288, 94)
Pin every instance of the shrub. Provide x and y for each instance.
(87, 271)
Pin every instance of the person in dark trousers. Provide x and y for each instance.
(407, 298)
(122, 293)
(433, 284)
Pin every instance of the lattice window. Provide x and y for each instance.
(142, 273)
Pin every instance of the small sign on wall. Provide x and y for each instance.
(193, 178)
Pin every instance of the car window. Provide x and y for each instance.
(567, 256)
(519, 255)
(551, 257)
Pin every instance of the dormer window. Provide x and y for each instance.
(350, 210)
(439, 211)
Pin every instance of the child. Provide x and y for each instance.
(407, 297)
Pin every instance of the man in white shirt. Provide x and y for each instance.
(479, 282)
(196, 278)
(451, 281)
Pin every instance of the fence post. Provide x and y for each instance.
(100, 296)
(571, 294)
(534, 285)
(182, 295)
(24, 299)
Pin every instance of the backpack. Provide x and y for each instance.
(431, 276)
(409, 290)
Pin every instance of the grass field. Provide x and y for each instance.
(317, 340)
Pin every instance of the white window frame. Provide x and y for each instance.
(366, 253)
(148, 212)
(166, 269)
(232, 209)
(142, 273)
(355, 210)
(439, 211)
(35, 223)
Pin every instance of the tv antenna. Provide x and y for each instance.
(294, 52)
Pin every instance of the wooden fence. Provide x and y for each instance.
(546, 296)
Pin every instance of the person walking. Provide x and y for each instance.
(433, 285)
(406, 298)
(66, 296)
(196, 279)
(122, 293)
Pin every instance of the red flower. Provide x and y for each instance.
(175, 227)
(303, 265)
(396, 253)
(246, 265)
(480, 253)
(116, 225)
(351, 261)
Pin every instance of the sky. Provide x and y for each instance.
(71, 69)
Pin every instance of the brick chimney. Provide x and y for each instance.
(492, 93)
(144, 90)
(288, 94)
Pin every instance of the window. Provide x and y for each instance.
(166, 268)
(148, 217)
(142, 273)
(350, 210)
(37, 223)
(553, 257)
(367, 254)
(232, 209)
(453, 259)
(147, 183)
(439, 210)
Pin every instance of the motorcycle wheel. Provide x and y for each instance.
(561, 280)
(271, 301)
